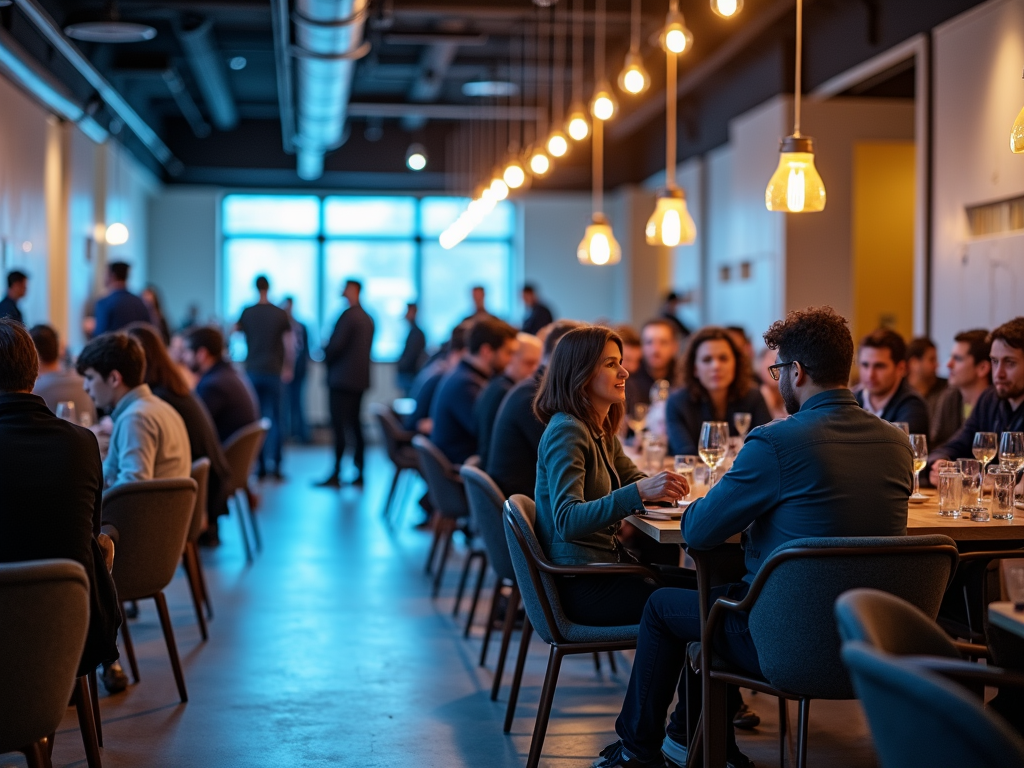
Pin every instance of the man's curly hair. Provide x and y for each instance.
(819, 338)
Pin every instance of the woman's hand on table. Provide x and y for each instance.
(664, 486)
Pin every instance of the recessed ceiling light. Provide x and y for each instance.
(237, 62)
(110, 32)
(490, 88)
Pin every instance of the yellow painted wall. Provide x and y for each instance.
(883, 237)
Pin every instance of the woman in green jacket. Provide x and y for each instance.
(585, 483)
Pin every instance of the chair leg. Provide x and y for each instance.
(476, 593)
(437, 521)
(257, 539)
(95, 700)
(37, 755)
(611, 662)
(461, 590)
(401, 499)
(783, 727)
(86, 723)
(129, 648)
(391, 494)
(597, 663)
(172, 648)
(547, 695)
(188, 559)
(446, 545)
(202, 581)
(511, 608)
(488, 630)
(517, 678)
(695, 749)
(241, 523)
(802, 725)
(715, 716)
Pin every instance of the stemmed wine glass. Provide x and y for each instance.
(713, 446)
(66, 410)
(1011, 452)
(984, 448)
(919, 445)
(638, 418)
(742, 422)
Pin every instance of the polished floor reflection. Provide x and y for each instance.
(329, 651)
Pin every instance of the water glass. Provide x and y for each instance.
(66, 410)
(1002, 492)
(971, 471)
(685, 466)
(655, 449)
(951, 491)
(902, 425)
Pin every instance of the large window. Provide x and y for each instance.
(308, 246)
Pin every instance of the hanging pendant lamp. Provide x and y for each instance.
(1017, 134)
(633, 78)
(577, 125)
(796, 186)
(727, 9)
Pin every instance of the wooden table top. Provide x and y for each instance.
(922, 519)
(1003, 615)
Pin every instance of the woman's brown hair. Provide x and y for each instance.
(161, 371)
(741, 381)
(564, 388)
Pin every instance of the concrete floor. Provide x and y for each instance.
(328, 651)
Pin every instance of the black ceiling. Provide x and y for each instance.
(839, 34)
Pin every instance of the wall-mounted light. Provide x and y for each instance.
(416, 157)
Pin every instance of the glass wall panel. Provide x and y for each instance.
(437, 213)
(280, 215)
(290, 266)
(448, 277)
(372, 216)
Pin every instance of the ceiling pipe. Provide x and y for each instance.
(207, 65)
(328, 41)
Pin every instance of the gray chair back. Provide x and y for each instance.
(201, 474)
(242, 449)
(918, 718)
(152, 518)
(397, 439)
(889, 624)
(447, 493)
(792, 623)
(44, 605)
(485, 510)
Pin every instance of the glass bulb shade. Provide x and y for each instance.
(599, 246)
(676, 37)
(116, 234)
(727, 8)
(1017, 134)
(499, 189)
(634, 78)
(671, 223)
(540, 164)
(603, 106)
(795, 187)
(558, 145)
(578, 127)
(416, 157)
(514, 175)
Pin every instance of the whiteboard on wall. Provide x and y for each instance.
(991, 282)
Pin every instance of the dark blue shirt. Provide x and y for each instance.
(9, 308)
(423, 389)
(990, 414)
(454, 429)
(904, 405)
(685, 416)
(227, 399)
(832, 469)
(118, 309)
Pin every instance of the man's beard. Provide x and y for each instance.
(788, 396)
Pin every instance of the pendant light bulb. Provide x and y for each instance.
(727, 8)
(1017, 135)
(796, 187)
(116, 234)
(540, 164)
(603, 106)
(676, 37)
(558, 145)
(514, 175)
(578, 127)
(634, 78)
(599, 246)
(499, 189)
(671, 223)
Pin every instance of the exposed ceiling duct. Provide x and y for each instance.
(328, 40)
(207, 67)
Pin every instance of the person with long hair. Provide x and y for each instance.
(586, 484)
(151, 298)
(166, 381)
(717, 384)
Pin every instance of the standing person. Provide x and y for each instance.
(151, 298)
(538, 314)
(670, 312)
(970, 374)
(479, 296)
(221, 389)
(414, 353)
(828, 470)
(659, 347)
(120, 306)
(269, 364)
(55, 384)
(347, 356)
(295, 410)
(884, 388)
(522, 365)
(923, 373)
(17, 287)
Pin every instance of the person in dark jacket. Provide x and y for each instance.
(413, 353)
(659, 349)
(885, 391)
(424, 386)
(538, 314)
(230, 403)
(17, 287)
(347, 356)
(52, 481)
(970, 374)
(718, 385)
(119, 307)
(522, 365)
(512, 456)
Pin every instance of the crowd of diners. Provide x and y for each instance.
(543, 409)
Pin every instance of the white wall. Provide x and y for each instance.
(978, 93)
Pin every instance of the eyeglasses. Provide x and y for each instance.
(773, 370)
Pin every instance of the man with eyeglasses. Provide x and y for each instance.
(831, 469)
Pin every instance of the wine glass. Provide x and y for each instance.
(66, 410)
(742, 422)
(1011, 452)
(713, 446)
(984, 447)
(901, 425)
(919, 445)
(638, 419)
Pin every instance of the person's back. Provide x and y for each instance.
(117, 309)
(265, 326)
(149, 441)
(454, 427)
(227, 399)
(348, 351)
(512, 456)
(61, 386)
(486, 410)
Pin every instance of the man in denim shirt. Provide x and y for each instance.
(830, 469)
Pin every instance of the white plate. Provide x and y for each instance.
(920, 500)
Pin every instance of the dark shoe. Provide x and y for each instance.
(261, 473)
(675, 755)
(113, 677)
(276, 475)
(746, 719)
(331, 482)
(209, 538)
(617, 755)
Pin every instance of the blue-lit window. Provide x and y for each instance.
(308, 246)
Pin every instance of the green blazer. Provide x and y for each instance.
(585, 486)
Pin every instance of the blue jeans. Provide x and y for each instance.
(268, 391)
(671, 620)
